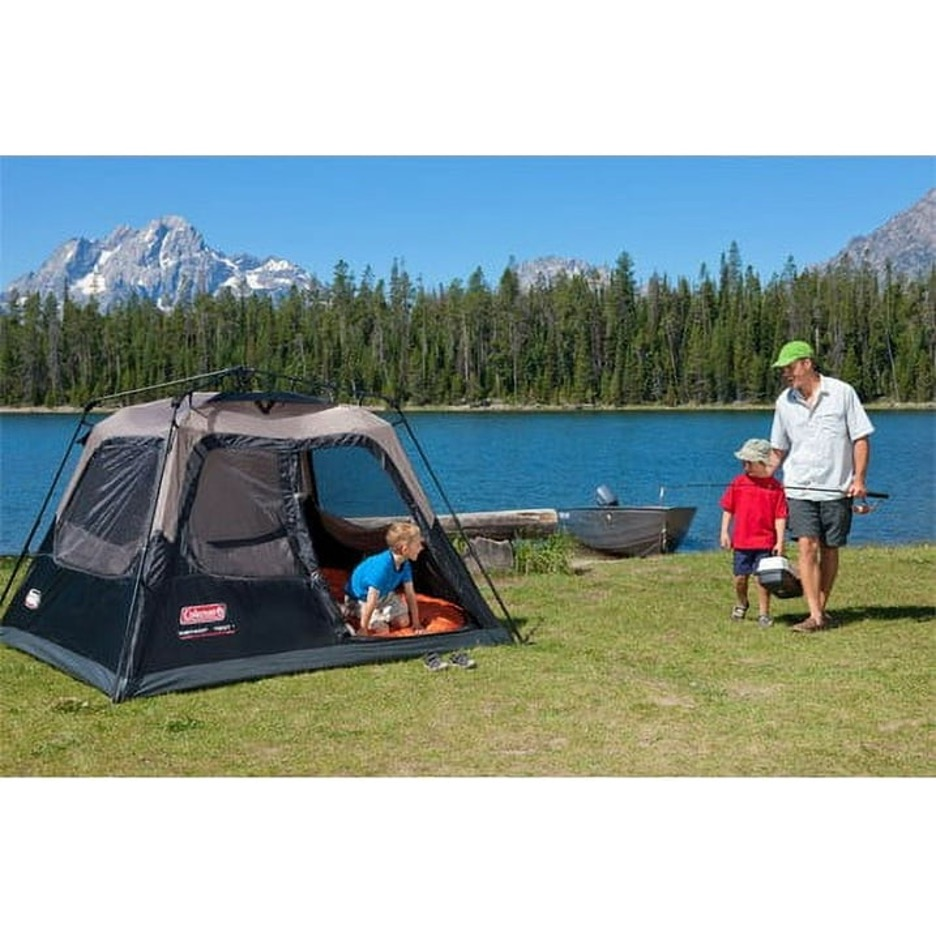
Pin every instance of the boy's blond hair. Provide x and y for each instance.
(402, 531)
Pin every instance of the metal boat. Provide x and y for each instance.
(626, 531)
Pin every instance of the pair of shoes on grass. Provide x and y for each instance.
(739, 612)
(459, 659)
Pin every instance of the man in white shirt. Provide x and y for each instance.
(820, 437)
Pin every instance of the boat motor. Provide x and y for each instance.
(605, 497)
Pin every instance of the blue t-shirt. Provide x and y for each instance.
(378, 571)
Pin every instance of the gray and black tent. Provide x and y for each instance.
(205, 538)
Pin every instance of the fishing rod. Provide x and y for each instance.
(862, 508)
(805, 487)
(786, 487)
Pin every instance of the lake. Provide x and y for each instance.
(496, 460)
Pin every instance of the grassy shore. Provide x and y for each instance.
(632, 668)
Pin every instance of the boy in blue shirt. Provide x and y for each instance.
(371, 591)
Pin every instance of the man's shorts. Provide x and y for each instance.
(745, 560)
(827, 521)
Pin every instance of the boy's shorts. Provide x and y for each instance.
(828, 521)
(745, 560)
(388, 609)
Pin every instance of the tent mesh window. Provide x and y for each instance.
(238, 525)
(105, 523)
(351, 482)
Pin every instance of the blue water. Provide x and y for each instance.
(488, 460)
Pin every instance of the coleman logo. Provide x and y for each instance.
(203, 614)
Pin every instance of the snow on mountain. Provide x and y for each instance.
(167, 261)
(545, 270)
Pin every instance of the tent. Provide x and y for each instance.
(205, 538)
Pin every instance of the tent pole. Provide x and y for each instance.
(241, 372)
(128, 651)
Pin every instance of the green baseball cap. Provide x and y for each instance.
(793, 351)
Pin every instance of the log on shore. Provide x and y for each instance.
(493, 524)
(503, 524)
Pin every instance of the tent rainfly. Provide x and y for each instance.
(206, 538)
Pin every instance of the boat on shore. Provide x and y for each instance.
(618, 530)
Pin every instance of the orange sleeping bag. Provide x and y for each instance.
(436, 614)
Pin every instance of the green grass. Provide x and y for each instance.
(632, 669)
(549, 554)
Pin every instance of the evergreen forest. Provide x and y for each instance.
(573, 341)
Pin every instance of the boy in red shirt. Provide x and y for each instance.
(756, 503)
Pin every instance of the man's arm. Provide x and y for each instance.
(861, 454)
(776, 460)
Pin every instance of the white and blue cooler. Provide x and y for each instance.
(779, 577)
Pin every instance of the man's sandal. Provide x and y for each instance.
(808, 626)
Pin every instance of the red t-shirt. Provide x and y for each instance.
(755, 505)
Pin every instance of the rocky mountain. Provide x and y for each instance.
(908, 241)
(544, 270)
(167, 261)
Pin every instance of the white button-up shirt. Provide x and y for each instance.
(819, 440)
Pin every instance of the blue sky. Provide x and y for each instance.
(444, 216)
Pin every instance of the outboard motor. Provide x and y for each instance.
(605, 497)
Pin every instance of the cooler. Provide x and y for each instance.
(779, 577)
